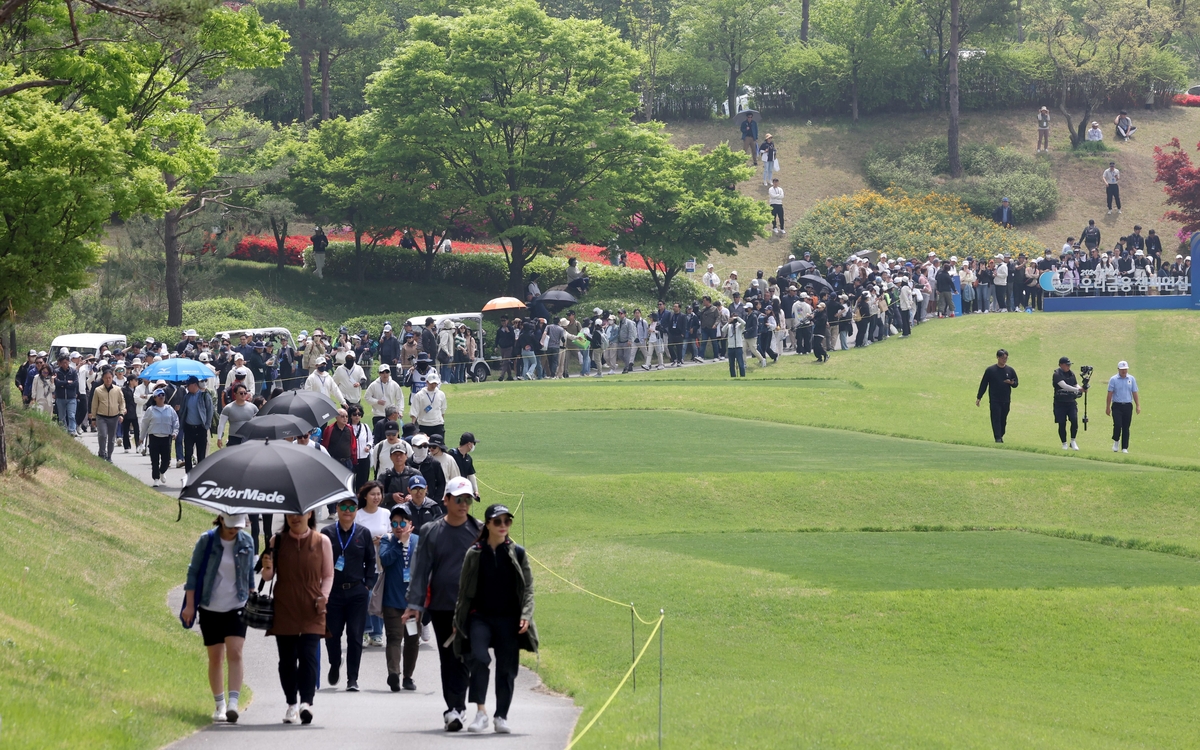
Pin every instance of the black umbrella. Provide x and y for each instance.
(267, 477)
(794, 267)
(274, 427)
(554, 301)
(817, 282)
(314, 408)
(742, 115)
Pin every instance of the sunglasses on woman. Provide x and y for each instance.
(502, 521)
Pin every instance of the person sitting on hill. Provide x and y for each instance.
(1094, 132)
(1125, 127)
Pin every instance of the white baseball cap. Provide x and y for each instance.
(320, 360)
(235, 520)
(432, 377)
(385, 367)
(33, 352)
(420, 439)
(387, 329)
(459, 486)
(238, 355)
(190, 332)
(1122, 365)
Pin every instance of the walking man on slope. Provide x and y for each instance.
(1122, 399)
(999, 380)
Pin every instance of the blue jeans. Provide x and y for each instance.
(447, 373)
(530, 363)
(66, 413)
(768, 171)
(734, 353)
(586, 367)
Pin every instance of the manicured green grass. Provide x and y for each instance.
(89, 655)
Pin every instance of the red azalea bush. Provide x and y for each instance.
(1186, 100)
(264, 250)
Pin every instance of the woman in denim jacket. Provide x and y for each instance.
(222, 568)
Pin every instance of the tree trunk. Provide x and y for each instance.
(854, 96)
(305, 65)
(360, 266)
(952, 86)
(731, 91)
(428, 255)
(804, 9)
(663, 283)
(324, 65)
(516, 269)
(3, 436)
(280, 230)
(1020, 25)
(171, 250)
(4, 360)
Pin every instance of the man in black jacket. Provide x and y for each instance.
(389, 348)
(506, 341)
(354, 575)
(676, 328)
(999, 381)
(429, 339)
(945, 291)
(1003, 215)
(1066, 394)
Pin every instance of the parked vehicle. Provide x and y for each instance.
(87, 343)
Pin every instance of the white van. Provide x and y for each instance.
(86, 343)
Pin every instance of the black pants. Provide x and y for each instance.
(347, 611)
(362, 472)
(128, 425)
(267, 519)
(999, 418)
(1035, 294)
(500, 633)
(804, 338)
(195, 437)
(776, 213)
(433, 429)
(160, 455)
(818, 345)
(1122, 415)
(906, 322)
(1113, 193)
(1064, 411)
(298, 656)
(864, 329)
(454, 673)
(675, 347)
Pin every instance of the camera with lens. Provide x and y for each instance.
(1086, 373)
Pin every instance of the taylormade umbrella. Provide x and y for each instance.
(273, 427)
(267, 477)
(796, 267)
(504, 303)
(177, 370)
(314, 408)
(817, 282)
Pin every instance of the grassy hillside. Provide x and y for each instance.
(825, 159)
(89, 654)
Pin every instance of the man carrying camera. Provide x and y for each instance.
(1066, 393)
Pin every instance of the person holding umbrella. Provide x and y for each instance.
(353, 578)
(219, 579)
(303, 561)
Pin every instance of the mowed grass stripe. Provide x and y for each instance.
(934, 560)
(646, 441)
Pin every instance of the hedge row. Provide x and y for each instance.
(488, 273)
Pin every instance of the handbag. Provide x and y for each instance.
(375, 604)
(259, 612)
(442, 357)
(775, 166)
(212, 535)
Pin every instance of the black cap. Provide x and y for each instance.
(391, 427)
(1064, 360)
(496, 510)
(193, 380)
(467, 437)
(436, 440)
(400, 509)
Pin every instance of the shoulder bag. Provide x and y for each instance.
(259, 612)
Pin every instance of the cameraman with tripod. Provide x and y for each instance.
(1066, 394)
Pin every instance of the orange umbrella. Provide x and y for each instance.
(504, 303)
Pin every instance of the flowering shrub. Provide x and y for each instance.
(902, 225)
(263, 249)
(1186, 100)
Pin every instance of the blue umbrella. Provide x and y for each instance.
(178, 370)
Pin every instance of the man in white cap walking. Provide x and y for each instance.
(1121, 404)
(711, 279)
(322, 382)
(427, 407)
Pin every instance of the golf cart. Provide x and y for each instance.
(264, 333)
(478, 370)
(87, 343)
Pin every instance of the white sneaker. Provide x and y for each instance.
(783, 231)
(305, 713)
(219, 714)
(479, 724)
(292, 716)
(1116, 446)
(427, 633)
(377, 640)
(1074, 445)
(501, 725)
(453, 720)
(1066, 446)
(1124, 450)
(366, 640)
(126, 450)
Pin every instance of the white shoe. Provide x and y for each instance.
(219, 714)
(377, 641)
(501, 726)
(783, 231)
(292, 716)
(1116, 446)
(305, 713)
(1124, 450)
(453, 720)
(1074, 445)
(366, 640)
(1066, 446)
(479, 724)
(427, 633)
(1110, 210)
(126, 450)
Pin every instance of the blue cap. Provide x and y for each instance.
(417, 483)
(1004, 200)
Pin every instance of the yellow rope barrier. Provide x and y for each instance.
(590, 593)
(624, 679)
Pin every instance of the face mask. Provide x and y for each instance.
(322, 368)
(420, 454)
